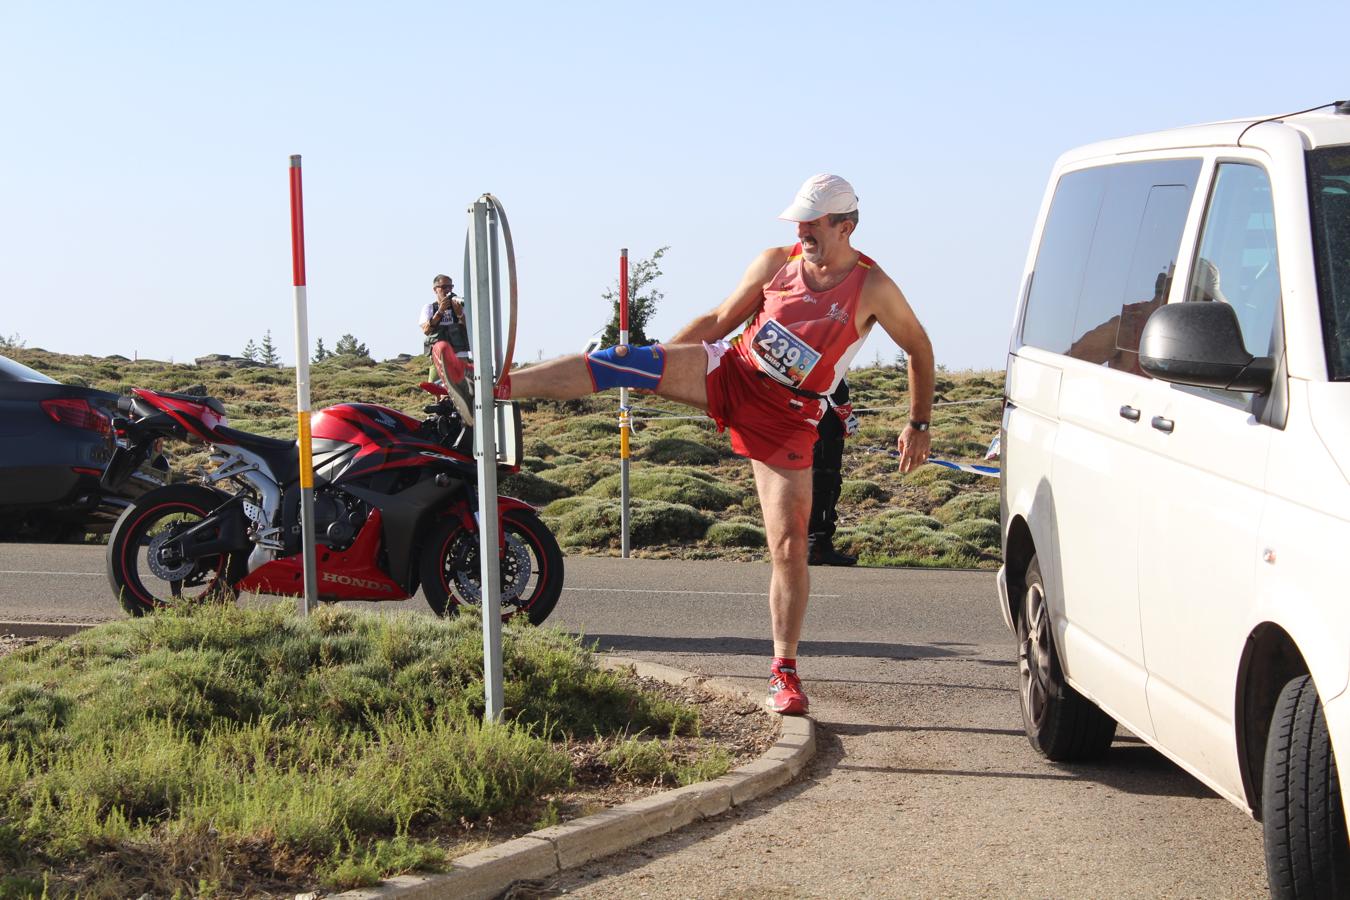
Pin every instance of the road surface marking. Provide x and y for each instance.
(592, 590)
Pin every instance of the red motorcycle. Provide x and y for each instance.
(395, 503)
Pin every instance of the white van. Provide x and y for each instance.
(1176, 468)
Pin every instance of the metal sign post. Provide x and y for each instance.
(623, 407)
(486, 304)
(311, 595)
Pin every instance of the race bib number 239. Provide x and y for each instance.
(782, 354)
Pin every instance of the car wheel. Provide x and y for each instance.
(1060, 722)
(1307, 853)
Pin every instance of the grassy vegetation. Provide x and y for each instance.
(683, 472)
(226, 751)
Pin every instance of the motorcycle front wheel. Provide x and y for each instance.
(145, 571)
(531, 567)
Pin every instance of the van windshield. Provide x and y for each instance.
(1329, 193)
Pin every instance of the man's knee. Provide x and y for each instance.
(791, 545)
(626, 366)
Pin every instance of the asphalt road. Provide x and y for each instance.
(924, 784)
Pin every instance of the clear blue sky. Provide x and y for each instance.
(144, 150)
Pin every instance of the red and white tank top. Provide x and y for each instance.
(802, 338)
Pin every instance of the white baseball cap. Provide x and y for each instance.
(821, 195)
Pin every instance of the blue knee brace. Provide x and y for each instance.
(640, 367)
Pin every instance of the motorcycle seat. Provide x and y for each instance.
(282, 456)
(210, 403)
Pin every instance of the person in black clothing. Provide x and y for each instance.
(827, 479)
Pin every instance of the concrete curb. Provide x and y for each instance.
(44, 629)
(540, 854)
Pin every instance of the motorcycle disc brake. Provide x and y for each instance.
(516, 572)
(161, 570)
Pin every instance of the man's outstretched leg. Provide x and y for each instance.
(785, 498)
(677, 372)
(453, 377)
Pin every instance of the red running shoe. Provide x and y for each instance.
(785, 692)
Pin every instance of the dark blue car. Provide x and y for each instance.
(55, 441)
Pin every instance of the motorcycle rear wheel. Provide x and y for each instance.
(142, 571)
(531, 567)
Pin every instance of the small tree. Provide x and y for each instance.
(250, 351)
(321, 352)
(267, 354)
(642, 300)
(350, 346)
(12, 342)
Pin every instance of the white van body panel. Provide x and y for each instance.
(1199, 505)
(1095, 477)
(1306, 530)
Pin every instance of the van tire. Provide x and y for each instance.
(1307, 852)
(1060, 722)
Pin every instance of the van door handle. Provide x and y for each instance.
(1129, 412)
(1163, 425)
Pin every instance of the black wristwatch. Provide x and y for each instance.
(918, 426)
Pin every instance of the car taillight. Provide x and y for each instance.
(77, 413)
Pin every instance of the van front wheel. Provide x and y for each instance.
(1307, 854)
(1060, 722)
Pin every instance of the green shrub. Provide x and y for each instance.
(736, 534)
(705, 434)
(535, 464)
(939, 492)
(914, 547)
(973, 505)
(531, 488)
(856, 491)
(580, 477)
(697, 489)
(653, 523)
(926, 475)
(679, 451)
(559, 508)
(584, 427)
(540, 448)
(983, 533)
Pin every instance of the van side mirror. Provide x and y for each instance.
(1201, 344)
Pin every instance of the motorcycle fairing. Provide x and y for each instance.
(351, 574)
(384, 438)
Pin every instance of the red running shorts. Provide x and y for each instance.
(766, 421)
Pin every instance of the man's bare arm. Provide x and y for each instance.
(740, 305)
(884, 300)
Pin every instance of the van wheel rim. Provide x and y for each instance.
(1033, 656)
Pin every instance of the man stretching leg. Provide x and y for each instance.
(810, 307)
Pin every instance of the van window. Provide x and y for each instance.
(1106, 259)
(1057, 279)
(1329, 192)
(1237, 263)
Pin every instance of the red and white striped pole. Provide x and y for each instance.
(624, 422)
(311, 596)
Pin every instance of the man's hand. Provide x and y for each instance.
(913, 447)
